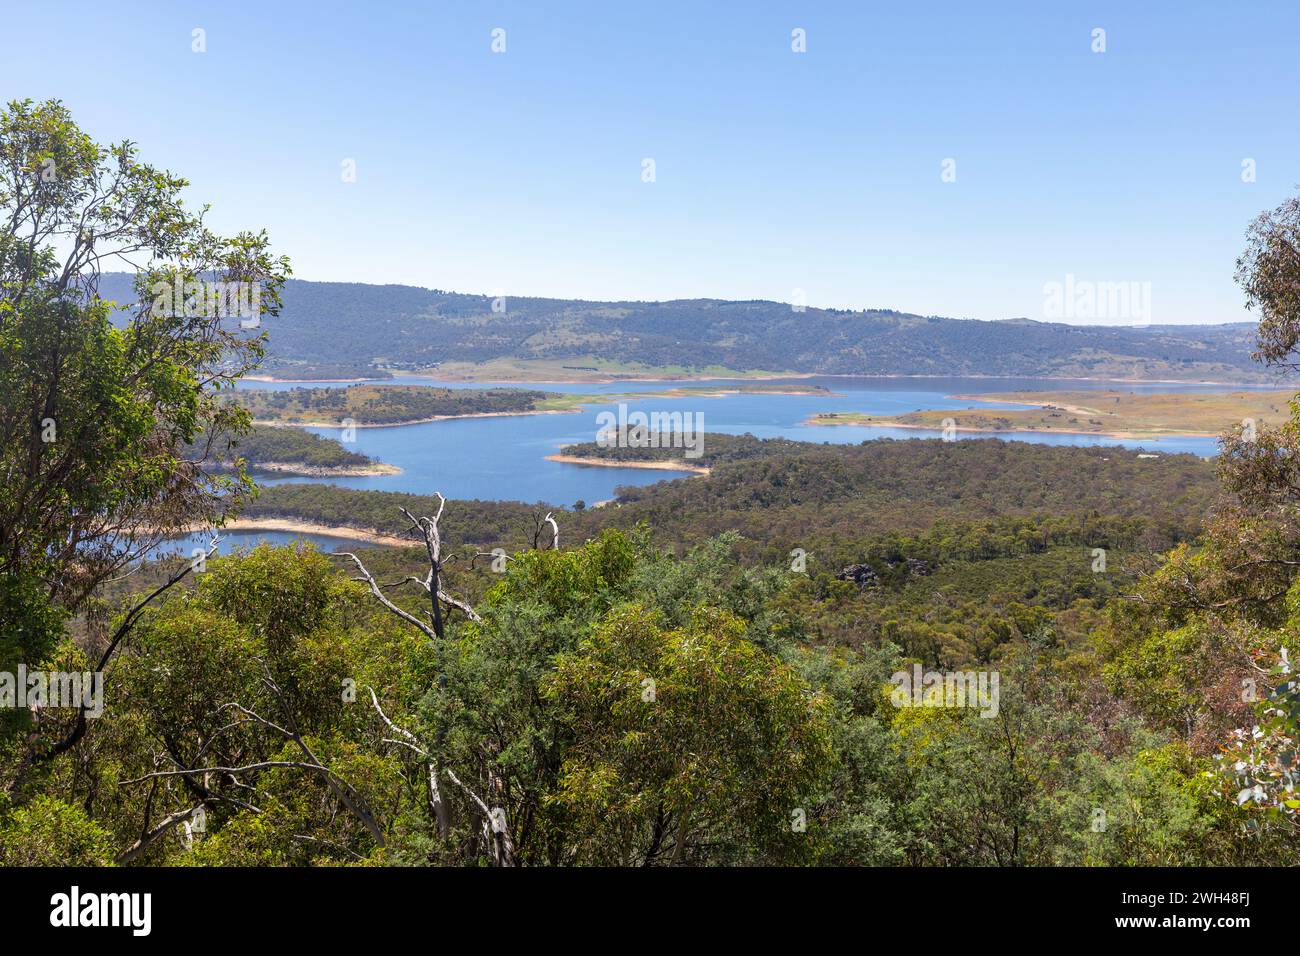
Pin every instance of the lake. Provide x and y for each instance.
(504, 458)
(195, 544)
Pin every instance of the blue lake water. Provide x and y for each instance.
(235, 540)
(504, 458)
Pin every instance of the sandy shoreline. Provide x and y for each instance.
(314, 471)
(1128, 436)
(988, 397)
(666, 465)
(295, 526)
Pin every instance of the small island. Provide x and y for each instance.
(667, 451)
(377, 406)
(289, 451)
(657, 464)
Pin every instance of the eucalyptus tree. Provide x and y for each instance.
(98, 399)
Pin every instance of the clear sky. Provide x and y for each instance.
(522, 172)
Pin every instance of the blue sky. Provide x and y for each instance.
(521, 172)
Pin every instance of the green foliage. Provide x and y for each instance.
(48, 832)
(1260, 764)
(272, 636)
(93, 407)
(1267, 272)
(1194, 654)
(1154, 807)
(649, 770)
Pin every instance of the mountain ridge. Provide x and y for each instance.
(393, 327)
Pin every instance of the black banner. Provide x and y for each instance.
(918, 905)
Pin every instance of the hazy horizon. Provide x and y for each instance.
(715, 298)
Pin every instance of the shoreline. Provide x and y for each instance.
(1074, 378)
(295, 526)
(1127, 436)
(699, 391)
(1023, 401)
(665, 465)
(596, 377)
(323, 471)
(312, 381)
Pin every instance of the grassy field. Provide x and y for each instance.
(1113, 413)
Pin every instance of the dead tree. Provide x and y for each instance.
(431, 582)
(539, 530)
(495, 830)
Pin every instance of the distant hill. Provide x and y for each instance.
(351, 327)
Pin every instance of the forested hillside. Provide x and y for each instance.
(329, 325)
(997, 542)
(787, 492)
